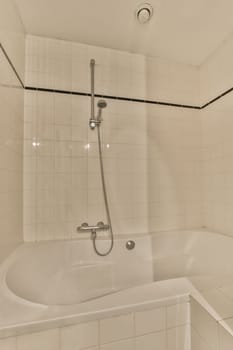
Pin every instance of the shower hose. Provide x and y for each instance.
(94, 236)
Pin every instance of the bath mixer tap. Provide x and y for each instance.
(100, 226)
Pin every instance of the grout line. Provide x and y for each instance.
(134, 330)
(218, 331)
(166, 329)
(99, 341)
(59, 337)
(134, 324)
(136, 336)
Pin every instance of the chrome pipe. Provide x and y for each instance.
(93, 123)
(92, 66)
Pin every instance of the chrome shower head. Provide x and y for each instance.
(93, 122)
(102, 104)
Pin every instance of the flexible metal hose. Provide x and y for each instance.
(105, 201)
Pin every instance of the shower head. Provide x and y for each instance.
(93, 122)
(102, 104)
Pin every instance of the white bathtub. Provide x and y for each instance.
(69, 272)
(53, 284)
(192, 254)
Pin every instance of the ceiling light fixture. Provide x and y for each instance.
(144, 12)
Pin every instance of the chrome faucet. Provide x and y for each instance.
(100, 226)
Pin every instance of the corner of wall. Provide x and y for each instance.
(12, 66)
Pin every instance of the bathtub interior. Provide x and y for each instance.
(204, 257)
(69, 272)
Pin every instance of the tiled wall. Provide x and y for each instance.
(11, 133)
(164, 328)
(216, 74)
(12, 36)
(216, 78)
(174, 168)
(217, 127)
(58, 64)
(62, 185)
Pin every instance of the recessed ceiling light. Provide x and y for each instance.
(144, 12)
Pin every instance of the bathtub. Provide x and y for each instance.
(192, 254)
(55, 284)
(69, 272)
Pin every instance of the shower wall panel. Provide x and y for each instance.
(216, 73)
(217, 140)
(174, 168)
(62, 186)
(11, 129)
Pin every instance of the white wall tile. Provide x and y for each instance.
(47, 340)
(11, 151)
(151, 341)
(225, 339)
(179, 338)
(214, 81)
(121, 345)
(204, 324)
(197, 342)
(150, 321)
(84, 335)
(116, 328)
(178, 315)
(217, 167)
(8, 344)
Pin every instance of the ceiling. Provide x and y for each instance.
(182, 30)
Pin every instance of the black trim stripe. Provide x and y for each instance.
(119, 98)
(217, 98)
(12, 66)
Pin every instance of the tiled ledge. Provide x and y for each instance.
(154, 328)
(155, 295)
(163, 326)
